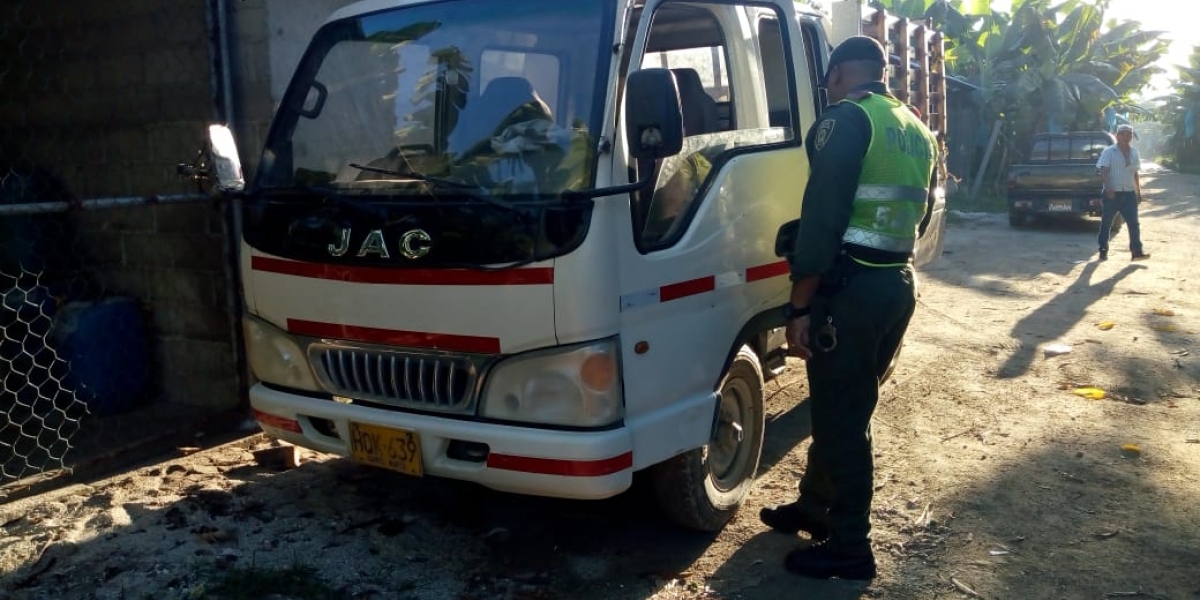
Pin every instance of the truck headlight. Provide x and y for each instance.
(578, 386)
(275, 357)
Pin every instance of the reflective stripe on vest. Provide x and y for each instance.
(894, 208)
(891, 198)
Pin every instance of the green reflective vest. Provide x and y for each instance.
(894, 184)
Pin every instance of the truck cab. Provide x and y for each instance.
(531, 243)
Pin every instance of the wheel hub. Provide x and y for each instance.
(725, 447)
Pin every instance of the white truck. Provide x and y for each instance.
(532, 243)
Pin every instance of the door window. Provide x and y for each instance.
(736, 94)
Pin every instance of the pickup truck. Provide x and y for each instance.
(1059, 176)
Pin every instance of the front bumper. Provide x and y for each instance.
(523, 460)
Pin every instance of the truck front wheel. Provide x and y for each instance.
(703, 488)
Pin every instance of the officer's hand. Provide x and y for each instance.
(797, 337)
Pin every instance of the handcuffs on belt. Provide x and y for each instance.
(826, 336)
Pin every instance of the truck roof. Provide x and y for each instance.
(369, 6)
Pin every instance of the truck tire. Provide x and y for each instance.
(703, 488)
(1018, 219)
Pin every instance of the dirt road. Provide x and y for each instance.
(994, 478)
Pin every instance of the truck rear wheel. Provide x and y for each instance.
(703, 488)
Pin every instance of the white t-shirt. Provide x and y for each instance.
(1120, 172)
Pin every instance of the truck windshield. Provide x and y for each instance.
(465, 119)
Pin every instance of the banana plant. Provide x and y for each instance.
(1042, 66)
(1180, 110)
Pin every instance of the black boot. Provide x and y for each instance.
(820, 561)
(791, 518)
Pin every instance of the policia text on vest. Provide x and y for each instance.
(909, 141)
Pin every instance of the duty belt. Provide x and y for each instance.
(874, 256)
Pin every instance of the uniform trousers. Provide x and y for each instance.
(870, 312)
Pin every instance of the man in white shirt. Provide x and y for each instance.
(1119, 165)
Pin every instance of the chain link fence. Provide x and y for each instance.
(40, 409)
(116, 307)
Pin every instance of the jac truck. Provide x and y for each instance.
(532, 243)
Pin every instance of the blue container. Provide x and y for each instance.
(104, 343)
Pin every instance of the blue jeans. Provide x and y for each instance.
(1125, 204)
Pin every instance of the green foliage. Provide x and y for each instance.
(1045, 65)
(1180, 109)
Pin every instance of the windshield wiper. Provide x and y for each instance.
(413, 175)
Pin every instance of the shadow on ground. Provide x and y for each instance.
(357, 530)
(1039, 525)
(1057, 316)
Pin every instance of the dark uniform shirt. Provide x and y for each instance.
(836, 146)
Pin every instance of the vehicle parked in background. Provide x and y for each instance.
(1058, 177)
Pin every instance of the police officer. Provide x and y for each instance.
(853, 293)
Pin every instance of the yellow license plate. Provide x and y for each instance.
(395, 449)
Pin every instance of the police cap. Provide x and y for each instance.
(859, 47)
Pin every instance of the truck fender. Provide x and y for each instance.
(755, 335)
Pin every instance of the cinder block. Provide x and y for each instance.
(118, 219)
(184, 218)
(170, 287)
(122, 282)
(128, 144)
(197, 252)
(190, 321)
(198, 373)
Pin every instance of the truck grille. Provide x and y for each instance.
(431, 382)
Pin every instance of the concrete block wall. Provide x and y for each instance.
(110, 96)
(269, 39)
(171, 257)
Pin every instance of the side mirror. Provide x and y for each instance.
(217, 164)
(653, 116)
(785, 240)
(226, 164)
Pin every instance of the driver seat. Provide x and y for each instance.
(699, 109)
(505, 101)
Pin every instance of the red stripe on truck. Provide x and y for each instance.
(767, 271)
(270, 420)
(394, 337)
(684, 289)
(557, 466)
(402, 276)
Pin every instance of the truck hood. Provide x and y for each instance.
(450, 310)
